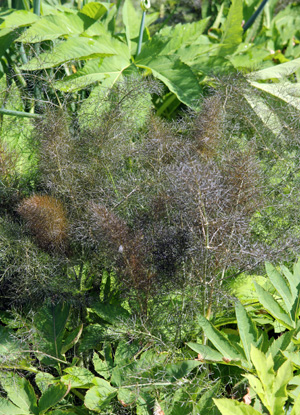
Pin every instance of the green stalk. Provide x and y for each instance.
(145, 5)
(37, 7)
(142, 27)
(19, 113)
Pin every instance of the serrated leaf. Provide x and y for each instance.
(53, 395)
(272, 306)
(206, 352)
(78, 48)
(232, 30)
(71, 339)
(95, 10)
(218, 339)
(102, 366)
(50, 322)
(18, 18)
(7, 37)
(175, 371)
(10, 348)
(8, 408)
(99, 396)
(52, 27)
(91, 336)
(285, 91)
(20, 391)
(231, 406)
(131, 21)
(77, 377)
(176, 75)
(95, 70)
(280, 284)
(264, 112)
(276, 72)
(247, 329)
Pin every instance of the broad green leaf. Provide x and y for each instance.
(175, 371)
(51, 396)
(286, 91)
(8, 408)
(112, 313)
(10, 349)
(71, 339)
(51, 27)
(279, 394)
(176, 75)
(172, 38)
(272, 306)
(279, 282)
(126, 396)
(293, 281)
(206, 352)
(99, 396)
(95, 70)
(77, 377)
(95, 10)
(7, 36)
(264, 112)
(125, 350)
(91, 337)
(232, 30)
(247, 329)
(218, 339)
(78, 48)
(20, 391)
(281, 343)
(50, 322)
(206, 400)
(102, 366)
(19, 18)
(276, 72)
(233, 407)
(131, 21)
(296, 407)
(44, 380)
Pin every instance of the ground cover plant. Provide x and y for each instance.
(120, 230)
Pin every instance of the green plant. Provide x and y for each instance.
(269, 386)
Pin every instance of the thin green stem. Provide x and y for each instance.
(142, 27)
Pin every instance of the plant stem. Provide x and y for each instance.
(254, 16)
(19, 113)
(142, 27)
